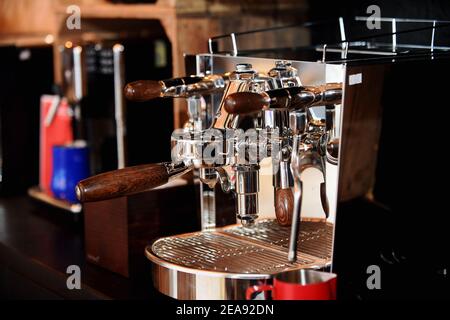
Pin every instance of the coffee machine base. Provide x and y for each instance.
(221, 264)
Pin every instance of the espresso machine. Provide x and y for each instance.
(304, 134)
(244, 114)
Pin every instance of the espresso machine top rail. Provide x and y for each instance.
(364, 47)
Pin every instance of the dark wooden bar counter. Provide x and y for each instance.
(38, 243)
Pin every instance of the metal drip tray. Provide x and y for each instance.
(315, 239)
(226, 259)
(221, 253)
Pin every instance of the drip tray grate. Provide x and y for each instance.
(316, 237)
(261, 249)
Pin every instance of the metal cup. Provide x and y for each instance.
(70, 165)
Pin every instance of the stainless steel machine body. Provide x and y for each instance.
(220, 263)
(310, 73)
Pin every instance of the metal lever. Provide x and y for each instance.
(298, 196)
(145, 90)
(298, 126)
(302, 160)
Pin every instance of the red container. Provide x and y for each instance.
(299, 285)
(55, 129)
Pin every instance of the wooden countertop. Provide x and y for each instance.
(38, 243)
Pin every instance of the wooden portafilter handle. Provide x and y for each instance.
(246, 102)
(143, 90)
(250, 102)
(127, 181)
(284, 206)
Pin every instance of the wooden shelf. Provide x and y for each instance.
(39, 195)
(26, 40)
(123, 11)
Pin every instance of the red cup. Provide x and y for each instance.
(301, 284)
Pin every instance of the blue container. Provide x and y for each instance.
(70, 165)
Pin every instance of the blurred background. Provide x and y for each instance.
(155, 35)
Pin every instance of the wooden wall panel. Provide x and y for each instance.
(34, 16)
(188, 23)
(361, 130)
(26, 16)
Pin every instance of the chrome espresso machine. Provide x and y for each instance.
(278, 136)
(281, 117)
